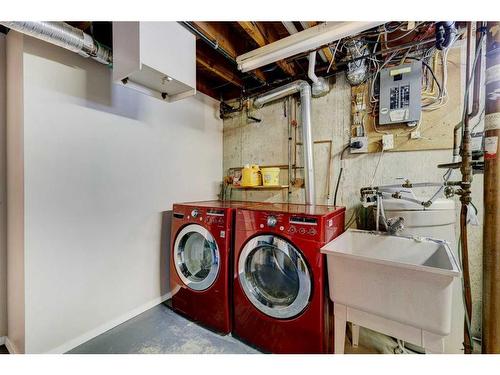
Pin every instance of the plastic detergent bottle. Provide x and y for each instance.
(251, 176)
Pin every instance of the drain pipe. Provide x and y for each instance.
(320, 85)
(304, 89)
(65, 36)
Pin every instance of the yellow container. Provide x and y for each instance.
(250, 176)
(271, 176)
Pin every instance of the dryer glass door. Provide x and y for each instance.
(196, 257)
(274, 276)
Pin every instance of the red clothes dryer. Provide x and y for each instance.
(200, 262)
(280, 293)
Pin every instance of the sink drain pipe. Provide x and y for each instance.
(304, 89)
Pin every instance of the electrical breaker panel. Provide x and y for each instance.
(400, 94)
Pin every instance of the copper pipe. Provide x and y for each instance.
(465, 198)
(466, 277)
(491, 231)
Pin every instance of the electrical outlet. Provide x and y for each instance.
(415, 134)
(364, 145)
(387, 142)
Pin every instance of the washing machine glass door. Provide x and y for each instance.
(274, 276)
(196, 257)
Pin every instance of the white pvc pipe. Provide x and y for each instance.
(312, 64)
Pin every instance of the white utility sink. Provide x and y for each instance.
(401, 280)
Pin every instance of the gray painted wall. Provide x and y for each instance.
(102, 163)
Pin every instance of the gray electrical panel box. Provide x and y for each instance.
(400, 94)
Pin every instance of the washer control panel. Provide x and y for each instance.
(296, 225)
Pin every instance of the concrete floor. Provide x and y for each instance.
(161, 331)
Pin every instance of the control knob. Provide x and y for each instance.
(271, 221)
(195, 213)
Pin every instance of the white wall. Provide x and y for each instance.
(101, 163)
(3, 195)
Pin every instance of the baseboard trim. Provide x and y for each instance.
(67, 346)
(10, 346)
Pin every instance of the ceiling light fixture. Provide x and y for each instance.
(303, 41)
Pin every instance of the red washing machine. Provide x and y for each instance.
(280, 294)
(200, 261)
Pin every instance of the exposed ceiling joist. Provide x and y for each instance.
(290, 27)
(226, 39)
(217, 69)
(252, 29)
(204, 88)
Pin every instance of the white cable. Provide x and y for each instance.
(376, 168)
(333, 56)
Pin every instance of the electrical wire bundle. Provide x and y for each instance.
(435, 93)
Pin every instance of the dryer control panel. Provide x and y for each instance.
(209, 216)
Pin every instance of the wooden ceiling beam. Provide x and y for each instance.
(253, 31)
(217, 69)
(223, 36)
(201, 86)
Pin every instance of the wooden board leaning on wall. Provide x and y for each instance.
(436, 128)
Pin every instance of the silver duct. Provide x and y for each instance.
(65, 36)
(357, 70)
(304, 89)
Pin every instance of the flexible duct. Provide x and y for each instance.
(357, 70)
(304, 89)
(65, 36)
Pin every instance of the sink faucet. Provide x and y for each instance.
(394, 225)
